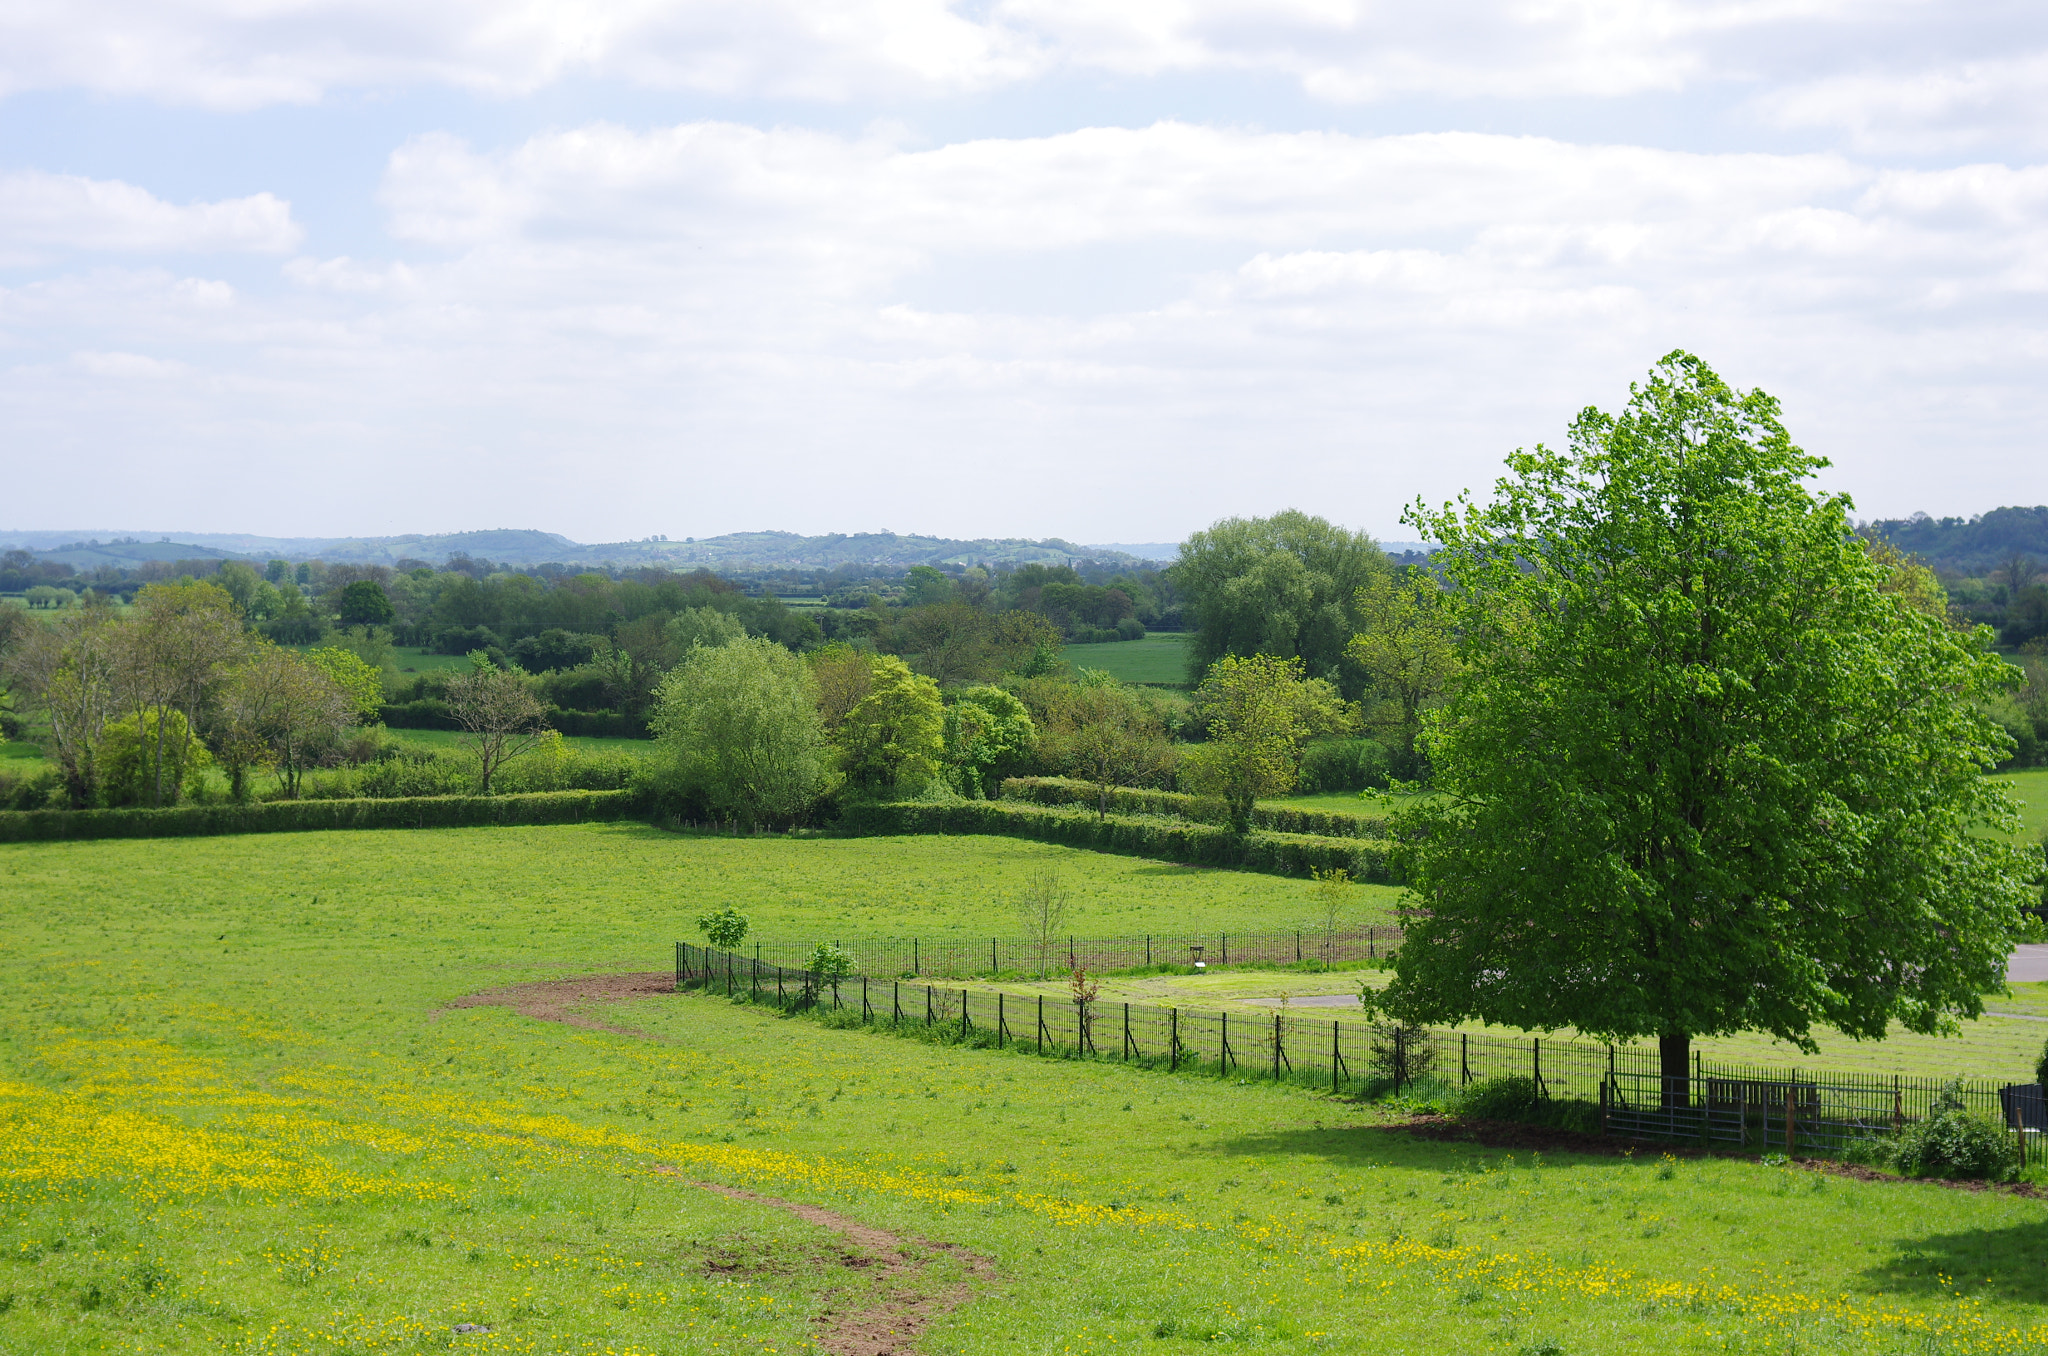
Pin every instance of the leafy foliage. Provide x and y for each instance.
(1703, 774)
(1950, 1142)
(741, 733)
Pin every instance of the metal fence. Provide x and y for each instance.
(1722, 1102)
(956, 957)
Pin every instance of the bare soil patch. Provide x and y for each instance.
(905, 1310)
(557, 1000)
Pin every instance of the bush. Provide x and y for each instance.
(1951, 1142)
(554, 649)
(1343, 765)
(435, 812)
(463, 639)
(1513, 1098)
(39, 786)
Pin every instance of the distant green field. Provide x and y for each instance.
(2031, 787)
(1160, 659)
(424, 661)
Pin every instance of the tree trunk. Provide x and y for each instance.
(1674, 1053)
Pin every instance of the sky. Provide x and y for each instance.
(1106, 271)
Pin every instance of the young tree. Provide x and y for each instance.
(1406, 650)
(1102, 733)
(986, 728)
(1704, 773)
(739, 726)
(358, 680)
(1041, 908)
(1259, 710)
(499, 715)
(280, 710)
(68, 671)
(723, 928)
(894, 738)
(1333, 906)
(175, 654)
(844, 681)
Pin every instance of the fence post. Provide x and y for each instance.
(867, 1014)
(1898, 1106)
(966, 1022)
(1400, 1057)
(1334, 1057)
(1072, 964)
(1173, 1040)
(927, 1005)
(1536, 1053)
(1603, 1106)
(915, 967)
(679, 966)
(1226, 949)
(781, 999)
(1297, 948)
(1223, 1056)
(1002, 1023)
(1464, 1058)
(1276, 1047)
(1791, 1119)
(993, 969)
(1148, 951)
(895, 1002)
(1041, 1024)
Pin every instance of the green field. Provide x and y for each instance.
(425, 661)
(242, 1116)
(1159, 660)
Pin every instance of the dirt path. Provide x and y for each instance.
(891, 1327)
(886, 1330)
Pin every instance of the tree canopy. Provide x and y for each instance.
(1282, 586)
(1705, 771)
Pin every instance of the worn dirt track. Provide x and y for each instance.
(556, 1000)
(889, 1328)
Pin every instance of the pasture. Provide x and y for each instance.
(1158, 660)
(245, 1113)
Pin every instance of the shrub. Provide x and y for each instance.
(1343, 765)
(1951, 1142)
(38, 787)
(1201, 809)
(1498, 1099)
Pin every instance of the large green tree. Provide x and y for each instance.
(1282, 586)
(740, 728)
(1408, 654)
(1704, 771)
(893, 738)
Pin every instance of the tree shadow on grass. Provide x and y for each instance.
(1392, 1146)
(2008, 1264)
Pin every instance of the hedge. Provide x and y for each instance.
(431, 713)
(1280, 854)
(1133, 801)
(280, 816)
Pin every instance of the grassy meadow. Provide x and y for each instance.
(1158, 660)
(241, 1115)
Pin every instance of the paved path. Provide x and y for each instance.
(2028, 963)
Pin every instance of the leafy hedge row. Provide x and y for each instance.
(431, 713)
(1281, 854)
(1132, 801)
(414, 812)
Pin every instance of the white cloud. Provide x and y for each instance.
(743, 325)
(250, 53)
(1945, 107)
(44, 215)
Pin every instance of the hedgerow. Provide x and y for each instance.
(415, 812)
(1200, 809)
(1175, 840)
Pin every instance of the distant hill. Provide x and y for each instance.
(1969, 546)
(526, 546)
(128, 552)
